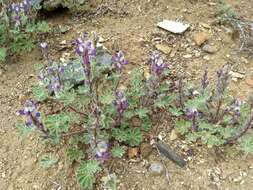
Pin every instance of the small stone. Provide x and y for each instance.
(187, 56)
(156, 169)
(249, 82)
(236, 75)
(173, 26)
(173, 135)
(145, 149)
(207, 58)
(200, 38)
(132, 152)
(163, 48)
(3, 175)
(209, 49)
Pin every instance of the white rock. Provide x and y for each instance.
(156, 169)
(173, 26)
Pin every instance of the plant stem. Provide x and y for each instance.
(180, 90)
(216, 118)
(76, 111)
(247, 126)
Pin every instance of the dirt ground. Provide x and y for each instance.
(132, 24)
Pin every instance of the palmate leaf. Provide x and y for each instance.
(246, 143)
(22, 128)
(48, 161)
(40, 93)
(110, 182)
(57, 123)
(74, 154)
(134, 136)
(66, 96)
(107, 98)
(86, 173)
(118, 151)
(164, 101)
(175, 111)
(198, 102)
(2, 54)
(146, 123)
(142, 112)
(183, 126)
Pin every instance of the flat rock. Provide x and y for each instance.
(156, 169)
(163, 48)
(209, 49)
(200, 38)
(173, 26)
(236, 75)
(145, 149)
(173, 135)
(132, 152)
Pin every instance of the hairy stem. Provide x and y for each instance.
(247, 126)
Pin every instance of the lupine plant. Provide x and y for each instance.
(210, 116)
(18, 27)
(100, 114)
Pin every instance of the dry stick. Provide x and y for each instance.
(75, 110)
(170, 154)
(247, 126)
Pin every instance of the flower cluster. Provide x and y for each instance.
(86, 49)
(121, 102)
(223, 80)
(17, 9)
(101, 150)
(33, 116)
(157, 64)
(192, 114)
(51, 77)
(204, 80)
(119, 61)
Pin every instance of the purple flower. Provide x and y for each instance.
(223, 80)
(86, 50)
(33, 116)
(157, 64)
(192, 112)
(119, 60)
(236, 109)
(101, 150)
(121, 102)
(26, 5)
(16, 8)
(204, 80)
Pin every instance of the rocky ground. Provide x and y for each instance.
(132, 25)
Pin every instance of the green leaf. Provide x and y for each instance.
(134, 137)
(40, 93)
(2, 54)
(183, 126)
(48, 161)
(66, 96)
(57, 124)
(164, 101)
(142, 112)
(146, 123)
(120, 134)
(107, 98)
(74, 154)
(118, 151)
(86, 173)
(175, 111)
(110, 182)
(246, 143)
(22, 128)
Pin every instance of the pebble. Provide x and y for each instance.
(132, 152)
(145, 149)
(156, 169)
(200, 38)
(173, 135)
(163, 48)
(209, 49)
(173, 26)
(187, 56)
